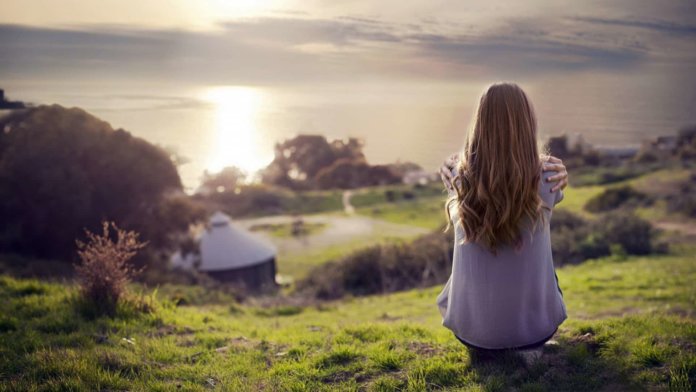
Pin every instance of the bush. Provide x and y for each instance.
(428, 260)
(104, 271)
(635, 235)
(564, 219)
(684, 202)
(573, 240)
(613, 198)
(383, 268)
(65, 168)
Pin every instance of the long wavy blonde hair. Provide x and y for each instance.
(498, 175)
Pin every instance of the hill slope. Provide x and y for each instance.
(631, 326)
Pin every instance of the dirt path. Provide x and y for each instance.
(684, 228)
(347, 207)
(339, 229)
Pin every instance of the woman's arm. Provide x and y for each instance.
(561, 177)
(553, 164)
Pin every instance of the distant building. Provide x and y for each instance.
(666, 143)
(421, 177)
(229, 253)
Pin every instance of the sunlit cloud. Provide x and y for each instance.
(298, 48)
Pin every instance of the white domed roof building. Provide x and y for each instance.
(231, 254)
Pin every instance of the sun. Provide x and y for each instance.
(236, 141)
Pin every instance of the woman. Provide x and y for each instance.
(503, 292)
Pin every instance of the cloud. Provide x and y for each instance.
(295, 48)
(655, 25)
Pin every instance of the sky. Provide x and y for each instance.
(287, 42)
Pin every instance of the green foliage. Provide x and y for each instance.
(62, 170)
(299, 160)
(684, 200)
(585, 176)
(383, 268)
(260, 200)
(226, 179)
(352, 174)
(396, 193)
(575, 239)
(635, 235)
(613, 198)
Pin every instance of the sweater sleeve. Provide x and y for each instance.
(549, 197)
(558, 196)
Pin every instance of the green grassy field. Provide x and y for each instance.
(428, 210)
(631, 326)
(297, 265)
(285, 230)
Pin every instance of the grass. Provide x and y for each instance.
(631, 326)
(297, 265)
(394, 193)
(285, 230)
(428, 213)
(425, 211)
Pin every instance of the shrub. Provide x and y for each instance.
(613, 198)
(684, 201)
(104, 271)
(428, 259)
(564, 219)
(573, 240)
(634, 234)
(383, 268)
(65, 168)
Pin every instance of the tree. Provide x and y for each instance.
(62, 170)
(298, 160)
(558, 146)
(226, 180)
(350, 174)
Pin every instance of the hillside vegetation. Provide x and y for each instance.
(631, 326)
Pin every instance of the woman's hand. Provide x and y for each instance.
(446, 171)
(561, 177)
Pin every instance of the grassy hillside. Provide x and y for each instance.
(631, 326)
(428, 210)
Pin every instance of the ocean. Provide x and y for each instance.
(211, 127)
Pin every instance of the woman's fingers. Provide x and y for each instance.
(562, 184)
(561, 180)
(553, 159)
(556, 177)
(558, 167)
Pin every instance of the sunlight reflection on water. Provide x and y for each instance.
(236, 140)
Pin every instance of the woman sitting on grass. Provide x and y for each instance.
(503, 292)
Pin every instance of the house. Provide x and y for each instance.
(231, 254)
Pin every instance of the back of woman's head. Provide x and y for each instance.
(498, 177)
